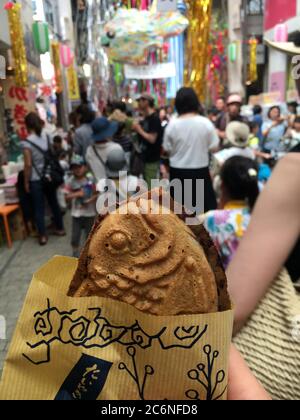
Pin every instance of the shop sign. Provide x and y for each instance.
(154, 71)
(20, 101)
(73, 87)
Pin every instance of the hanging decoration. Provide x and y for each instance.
(66, 55)
(133, 32)
(253, 76)
(176, 55)
(57, 67)
(41, 38)
(217, 78)
(232, 52)
(73, 86)
(281, 33)
(199, 15)
(18, 45)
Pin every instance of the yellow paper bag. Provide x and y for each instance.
(99, 349)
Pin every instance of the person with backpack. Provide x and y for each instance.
(42, 177)
(96, 156)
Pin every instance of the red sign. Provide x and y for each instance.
(279, 11)
(20, 101)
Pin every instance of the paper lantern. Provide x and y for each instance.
(281, 33)
(66, 55)
(232, 52)
(41, 39)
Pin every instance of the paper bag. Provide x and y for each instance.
(99, 349)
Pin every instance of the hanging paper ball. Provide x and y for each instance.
(281, 33)
(9, 5)
(216, 61)
(66, 55)
(41, 37)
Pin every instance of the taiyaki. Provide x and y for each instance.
(140, 256)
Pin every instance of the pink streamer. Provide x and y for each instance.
(144, 5)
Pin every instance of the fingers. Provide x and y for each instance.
(243, 386)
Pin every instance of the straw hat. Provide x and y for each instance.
(237, 134)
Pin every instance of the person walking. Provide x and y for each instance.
(35, 148)
(188, 141)
(96, 156)
(150, 133)
(234, 106)
(83, 134)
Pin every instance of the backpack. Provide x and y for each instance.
(53, 174)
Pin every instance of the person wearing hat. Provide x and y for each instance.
(96, 156)
(151, 136)
(234, 104)
(80, 191)
(118, 180)
(237, 144)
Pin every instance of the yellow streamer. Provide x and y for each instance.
(199, 15)
(57, 67)
(253, 76)
(18, 45)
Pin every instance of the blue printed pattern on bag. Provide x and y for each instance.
(86, 380)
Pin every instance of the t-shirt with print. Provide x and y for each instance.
(38, 160)
(79, 206)
(152, 125)
(227, 228)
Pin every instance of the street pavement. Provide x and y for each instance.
(16, 269)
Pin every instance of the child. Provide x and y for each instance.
(254, 141)
(122, 184)
(239, 191)
(253, 138)
(81, 192)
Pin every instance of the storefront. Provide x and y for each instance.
(286, 14)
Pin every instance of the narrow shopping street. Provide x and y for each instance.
(16, 269)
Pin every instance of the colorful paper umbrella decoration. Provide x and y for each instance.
(66, 55)
(135, 31)
(41, 39)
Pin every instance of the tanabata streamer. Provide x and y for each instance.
(253, 76)
(134, 32)
(197, 57)
(18, 45)
(57, 67)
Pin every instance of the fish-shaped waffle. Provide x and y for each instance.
(143, 257)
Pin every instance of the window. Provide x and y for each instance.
(49, 13)
(255, 7)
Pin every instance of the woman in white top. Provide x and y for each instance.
(188, 140)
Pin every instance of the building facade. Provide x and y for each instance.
(279, 68)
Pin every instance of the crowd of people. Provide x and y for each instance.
(232, 153)
(249, 165)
